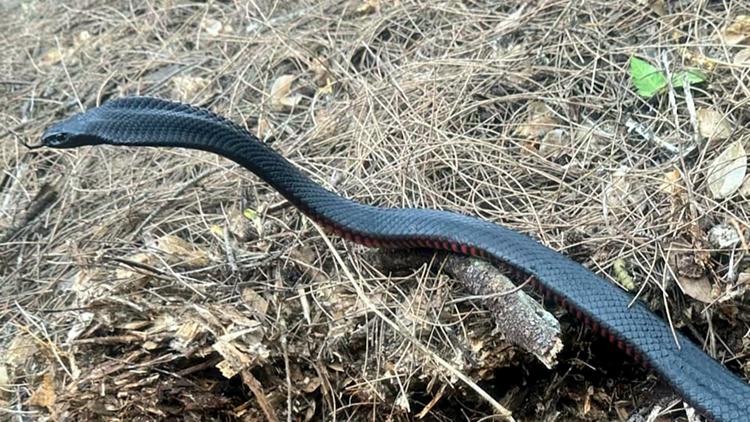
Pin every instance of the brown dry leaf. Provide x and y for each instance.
(697, 288)
(45, 395)
(82, 39)
(726, 172)
(185, 87)
(696, 59)
(712, 124)
(82, 322)
(688, 265)
(213, 26)
(327, 89)
(738, 32)
(82, 281)
(4, 381)
(742, 58)
(184, 331)
(745, 188)
(20, 348)
(239, 226)
(182, 252)
(281, 93)
(255, 301)
(56, 54)
(336, 367)
(539, 121)
(187, 334)
(617, 192)
(141, 324)
(555, 143)
(189, 330)
(150, 345)
(308, 385)
(326, 124)
(621, 193)
(320, 73)
(240, 350)
(125, 272)
(587, 400)
(232, 317)
(369, 6)
(685, 262)
(264, 130)
(166, 322)
(672, 183)
(52, 56)
(657, 6)
(723, 236)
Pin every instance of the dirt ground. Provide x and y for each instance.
(155, 285)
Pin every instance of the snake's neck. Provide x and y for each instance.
(207, 132)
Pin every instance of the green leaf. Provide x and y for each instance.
(693, 76)
(256, 219)
(250, 214)
(648, 79)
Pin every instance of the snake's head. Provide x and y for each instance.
(54, 138)
(69, 133)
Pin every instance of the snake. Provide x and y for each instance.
(702, 382)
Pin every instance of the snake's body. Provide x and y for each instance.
(140, 121)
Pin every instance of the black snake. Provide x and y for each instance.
(140, 121)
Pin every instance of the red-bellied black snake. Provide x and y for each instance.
(140, 121)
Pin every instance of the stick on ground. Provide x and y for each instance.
(518, 317)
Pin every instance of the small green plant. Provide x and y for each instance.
(650, 81)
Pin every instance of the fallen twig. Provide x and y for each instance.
(517, 316)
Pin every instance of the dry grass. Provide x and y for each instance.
(432, 104)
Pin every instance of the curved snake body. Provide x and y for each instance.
(143, 121)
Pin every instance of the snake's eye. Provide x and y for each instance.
(55, 139)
